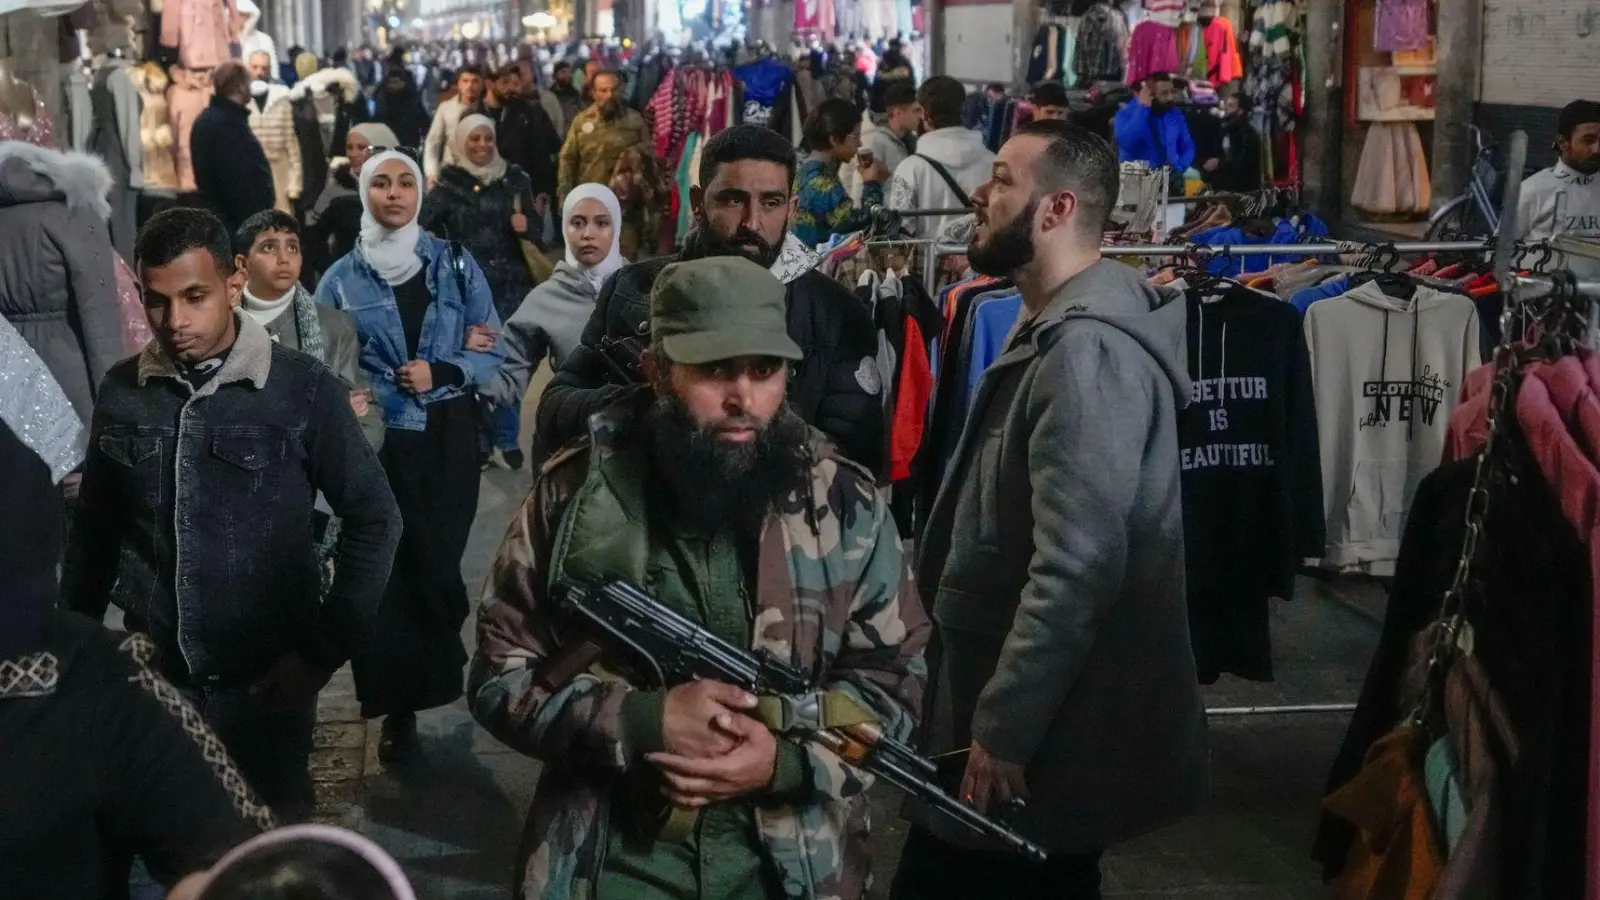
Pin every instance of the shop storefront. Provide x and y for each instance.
(1390, 108)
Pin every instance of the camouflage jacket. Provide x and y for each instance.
(834, 597)
(619, 154)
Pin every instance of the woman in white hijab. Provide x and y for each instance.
(413, 297)
(334, 221)
(550, 320)
(488, 205)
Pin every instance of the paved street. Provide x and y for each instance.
(453, 816)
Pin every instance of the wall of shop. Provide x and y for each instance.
(1538, 56)
(978, 40)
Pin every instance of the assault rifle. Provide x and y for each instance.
(666, 649)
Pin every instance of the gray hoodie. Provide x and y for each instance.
(549, 322)
(1053, 555)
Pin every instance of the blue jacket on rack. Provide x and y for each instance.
(1160, 139)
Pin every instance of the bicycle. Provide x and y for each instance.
(1473, 212)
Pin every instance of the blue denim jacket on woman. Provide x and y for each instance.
(353, 286)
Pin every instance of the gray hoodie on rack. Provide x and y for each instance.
(1053, 557)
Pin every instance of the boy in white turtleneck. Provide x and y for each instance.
(273, 296)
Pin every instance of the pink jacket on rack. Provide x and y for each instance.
(1152, 49)
(200, 30)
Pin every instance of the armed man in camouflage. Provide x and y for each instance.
(710, 493)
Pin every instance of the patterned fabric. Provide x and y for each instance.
(834, 597)
(34, 675)
(824, 208)
(141, 650)
(1271, 30)
(1101, 37)
(1401, 25)
(35, 408)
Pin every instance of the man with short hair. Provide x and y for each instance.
(950, 163)
(710, 492)
(743, 206)
(1237, 165)
(1564, 200)
(565, 91)
(889, 136)
(1054, 550)
(524, 132)
(439, 148)
(231, 171)
(1151, 129)
(609, 144)
(271, 110)
(206, 457)
(1049, 102)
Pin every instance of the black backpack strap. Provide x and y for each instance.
(949, 179)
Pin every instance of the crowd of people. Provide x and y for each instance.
(283, 480)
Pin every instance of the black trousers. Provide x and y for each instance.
(412, 657)
(931, 869)
(271, 747)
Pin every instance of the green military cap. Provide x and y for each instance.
(719, 307)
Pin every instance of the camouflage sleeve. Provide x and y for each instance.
(577, 722)
(880, 662)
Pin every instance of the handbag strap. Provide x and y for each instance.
(949, 179)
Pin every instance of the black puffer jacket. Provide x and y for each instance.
(836, 387)
(461, 208)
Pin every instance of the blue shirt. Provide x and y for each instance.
(353, 286)
(1333, 287)
(992, 319)
(1157, 139)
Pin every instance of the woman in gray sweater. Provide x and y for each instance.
(551, 318)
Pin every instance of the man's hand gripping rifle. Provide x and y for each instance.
(665, 649)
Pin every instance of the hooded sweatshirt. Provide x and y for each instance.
(1561, 201)
(917, 185)
(1387, 374)
(1252, 477)
(549, 322)
(1054, 556)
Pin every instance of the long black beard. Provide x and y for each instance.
(1010, 247)
(716, 487)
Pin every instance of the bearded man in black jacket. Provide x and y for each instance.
(742, 207)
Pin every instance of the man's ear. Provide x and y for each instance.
(697, 196)
(236, 283)
(1059, 209)
(649, 366)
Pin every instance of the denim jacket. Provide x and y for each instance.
(195, 512)
(353, 286)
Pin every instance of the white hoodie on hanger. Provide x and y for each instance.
(1387, 374)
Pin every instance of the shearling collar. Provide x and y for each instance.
(35, 174)
(250, 359)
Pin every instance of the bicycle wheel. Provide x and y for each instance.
(1458, 220)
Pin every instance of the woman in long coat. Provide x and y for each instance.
(487, 204)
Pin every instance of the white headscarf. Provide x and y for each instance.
(391, 252)
(496, 169)
(598, 272)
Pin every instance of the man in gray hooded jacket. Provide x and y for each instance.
(1054, 550)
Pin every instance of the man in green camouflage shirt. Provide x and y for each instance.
(714, 496)
(609, 144)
